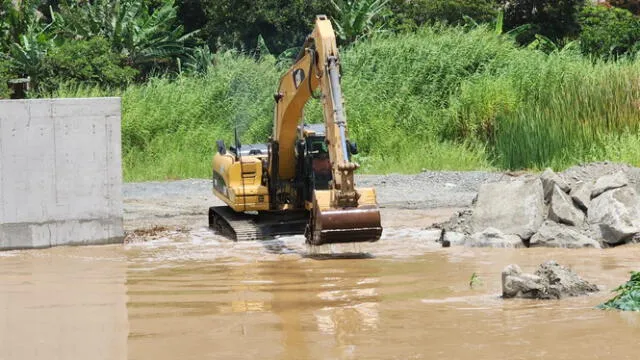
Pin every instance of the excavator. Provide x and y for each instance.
(302, 180)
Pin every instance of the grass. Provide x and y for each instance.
(440, 98)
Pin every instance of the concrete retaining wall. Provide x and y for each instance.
(60, 172)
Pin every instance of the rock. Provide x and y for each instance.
(615, 215)
(550, 281)
(562, 209)
(581, 195)
(555, 235)
(493, 238)
(563, 282)
(514, 208)
(549, 180)
(517, 284)
(609, 182)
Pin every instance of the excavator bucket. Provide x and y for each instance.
(344, 225)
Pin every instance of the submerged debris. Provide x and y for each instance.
(156, 232)
(628, 298)
(550, 281)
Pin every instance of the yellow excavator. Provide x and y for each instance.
(302, 180)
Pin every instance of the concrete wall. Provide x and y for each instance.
(60, 172)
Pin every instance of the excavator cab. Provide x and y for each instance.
(317, 162)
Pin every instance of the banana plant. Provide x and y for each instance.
(15, 17)
(141, 35)
(356, 18)
(199, 60)
(26, 57)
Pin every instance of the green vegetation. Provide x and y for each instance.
(438, 84)
(413, 14)
(609, 32)
(554, 19)
(628, 297)
(474, 281)
(439, 98)
(4, 78)
(89, 62)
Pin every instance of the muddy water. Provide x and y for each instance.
(197, 296)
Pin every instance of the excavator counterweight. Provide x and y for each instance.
(302, 180)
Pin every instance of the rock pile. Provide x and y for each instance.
(550, 281)
(551, 211)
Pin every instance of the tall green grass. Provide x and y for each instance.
(440, 98)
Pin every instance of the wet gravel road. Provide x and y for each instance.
(424, 198)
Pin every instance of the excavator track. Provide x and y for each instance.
(250, 227)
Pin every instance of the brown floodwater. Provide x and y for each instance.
(197, 296)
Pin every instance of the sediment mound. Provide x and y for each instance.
(595, 205)
(550, 281)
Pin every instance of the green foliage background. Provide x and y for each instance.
(609, 32)
(440, 84)
(451, 98)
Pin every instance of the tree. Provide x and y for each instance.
(555, 19)
(282, 24)
(145, 37)
(88, 62)
(411, 14)
(609, 32)
(631, 5)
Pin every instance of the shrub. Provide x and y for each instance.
(411, 14)
(608, 32)
(555, 19)
(89, 62)
(631, 5)
(237, 23)
(4, 77)
(628, 297)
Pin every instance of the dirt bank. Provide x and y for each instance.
(406, 200)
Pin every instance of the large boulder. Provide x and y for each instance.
(549, 180)
(562, 209)
(615, 215)
(550, 281)
(493, 238)
(581, 195)
(609, 182)
(514, 208)
(556, 235)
